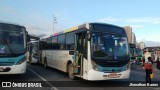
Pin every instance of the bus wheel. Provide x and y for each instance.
(70, 72)
(45, 63)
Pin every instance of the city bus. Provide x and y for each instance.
(92, 51)
(132, 53)
(138, 55)
(35, 51)
(13, 43)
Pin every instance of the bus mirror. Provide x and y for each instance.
(71, 52)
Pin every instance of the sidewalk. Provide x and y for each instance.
(137, 70)
(155, 68)
(156, 73)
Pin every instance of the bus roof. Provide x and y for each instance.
(88, 26)
(9, 23)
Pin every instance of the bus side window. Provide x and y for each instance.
(72, 46)
(61, 47)
(70, 41)
(61, 39)
(55, 44)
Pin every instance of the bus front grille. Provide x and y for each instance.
(103, 63)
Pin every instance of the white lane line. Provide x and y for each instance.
(52, 87)
(156, 88)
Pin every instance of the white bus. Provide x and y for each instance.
(32, 54)
(35, 51)
(92, 51)
(13, 43)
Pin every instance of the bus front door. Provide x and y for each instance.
(80, 53)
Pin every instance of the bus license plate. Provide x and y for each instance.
(113, 75)
(1, 68)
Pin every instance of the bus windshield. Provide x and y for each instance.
(138, 52)
(132, 50)
(109, 46)
(12, 41)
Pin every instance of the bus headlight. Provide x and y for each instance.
(95, 67)
(21, 61)
(128, 66)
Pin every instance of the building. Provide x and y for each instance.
(141, 45)
(137, 45)
(128, 30)
(133, 38)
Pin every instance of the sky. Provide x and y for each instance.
(37, 15)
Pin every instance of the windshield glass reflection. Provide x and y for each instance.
(109, 46)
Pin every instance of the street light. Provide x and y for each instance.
(54, 21)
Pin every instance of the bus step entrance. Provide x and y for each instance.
(78, 65)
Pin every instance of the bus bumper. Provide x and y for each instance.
(15, 69)
(96, 75)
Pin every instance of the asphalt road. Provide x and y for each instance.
(52, 79)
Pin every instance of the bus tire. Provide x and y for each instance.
(70, 72)
(45, 63)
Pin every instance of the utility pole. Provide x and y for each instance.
(54, 22)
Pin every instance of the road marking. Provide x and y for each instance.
(52, 87)
(156, 88)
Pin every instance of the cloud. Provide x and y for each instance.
(41, 24)
(121, 21)
(39, 28)
(8, 10)
(108, 20)
(33, 30)
(135, 22)
(151, 20)
(150, 37)
(142, 20)
(136, 26)
(35, 24)
(152, 43)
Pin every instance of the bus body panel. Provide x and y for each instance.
(85, 68)
(43, 56)
(15, 69)
(34, 60)
(13, 44)
(35, 52)
(105, 76)
(11, 60)
(125, 74)
(27, 56)
(58, 59)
